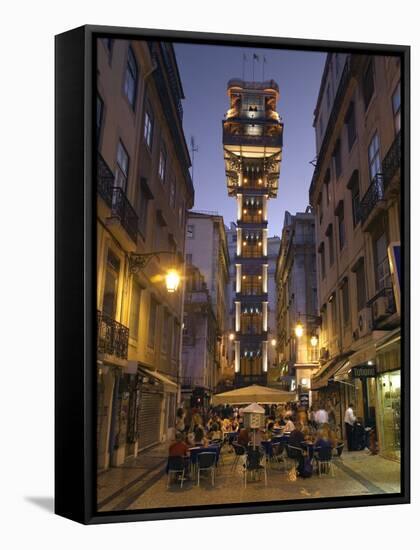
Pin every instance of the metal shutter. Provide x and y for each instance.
(149, 419)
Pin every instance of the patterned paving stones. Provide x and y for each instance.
(141, 483)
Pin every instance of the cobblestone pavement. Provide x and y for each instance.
(141, 482)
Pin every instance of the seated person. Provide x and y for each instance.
(215, 432)
(234, 426)
(269, 431)
(289, 426)
(199, 438)
(243, 437)
(323, 438)
(296, 436)
(179, 447)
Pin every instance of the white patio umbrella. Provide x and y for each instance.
(253, 394)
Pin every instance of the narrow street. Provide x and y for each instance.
(141, 483)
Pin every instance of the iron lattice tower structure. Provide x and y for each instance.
(252, 143)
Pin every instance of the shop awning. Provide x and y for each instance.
(169, 385)
(328, 372)
(253, 394)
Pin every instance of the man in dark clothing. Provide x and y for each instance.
(295, 439)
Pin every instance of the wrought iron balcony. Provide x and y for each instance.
(116, 199)
(124, 212)
(392, 161)
(112, 337)
(372, 197)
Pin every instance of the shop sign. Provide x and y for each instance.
(304, 400)
(364, 371)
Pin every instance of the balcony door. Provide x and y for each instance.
(109, 303)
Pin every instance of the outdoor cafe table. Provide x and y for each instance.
(195, 451)
(308, 446)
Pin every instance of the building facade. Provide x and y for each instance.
(143, 191)
(207, 257)
(297, 304)
(252, 142)
(355, 192)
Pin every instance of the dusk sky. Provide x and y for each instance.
(205, 71)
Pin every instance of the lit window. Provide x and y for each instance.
(121, 172)
(148, 128)
(374, 156)
(162, 164)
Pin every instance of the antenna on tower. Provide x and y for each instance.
(194, 149)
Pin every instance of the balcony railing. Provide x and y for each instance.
(116, 199)
(373, 195)
(112, 337)
(122, 209)
(239, 134)
(392, 160)
(105, 181)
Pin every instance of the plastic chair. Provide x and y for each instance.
(239, 451)
(206, 462)
(339, 450)
(176, 465)
(278, 452)
(323, 459)
(255, 463)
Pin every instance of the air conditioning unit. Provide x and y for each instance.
(380, 308)
(364, 322)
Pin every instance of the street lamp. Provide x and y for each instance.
(273, 342)
(299, 329)
(137, 262)
(231, 336)
(172, 280)
(314, 340)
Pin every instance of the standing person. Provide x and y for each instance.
(321, 416)
(349, 420)
(180, 420)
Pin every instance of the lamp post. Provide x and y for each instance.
(137, 262)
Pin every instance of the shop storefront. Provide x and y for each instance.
(389, 395)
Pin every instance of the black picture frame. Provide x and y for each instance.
(75, 292)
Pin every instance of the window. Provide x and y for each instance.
(131, 75)
(121, 172)
(321, 251)
(330, 235)
(181, 210)
(162, 164)
(341, 228)
(152, 323)
(172, 193)
(135, 310)
(355, 202)
(148, 128)
(190, 231)
(346, 301)
(108, 45)
(382, 273)
(320, 208)
(188, 259)
(327, 180)
(374, 157)
(99, 117)
(165, 332)
(333, 310)
(360, 284)
(109, 304)
(368, 85)
(337, 159)
(396, 107)
(351, 126)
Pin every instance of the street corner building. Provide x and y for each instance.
(143, 192)
(252, 143)
(356, 194)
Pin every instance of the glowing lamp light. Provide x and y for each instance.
(273, 342)
(259, 277)
(370, 363)
(260, 180)
(245, 180)
(314, 341)
(243, 276)
(259, 244)
(299, 329)
(231, 336)
(172, 280)
(259, 211)
(245, 211)
(244, 243)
